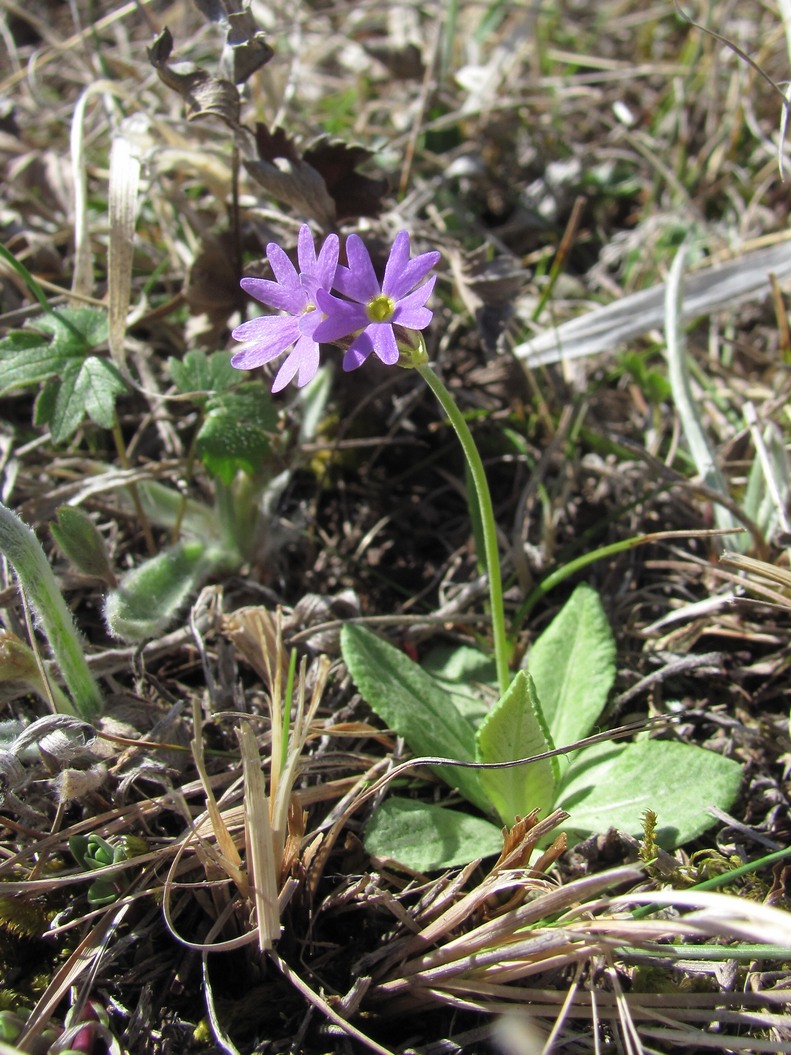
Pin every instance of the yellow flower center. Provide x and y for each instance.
(380, 309)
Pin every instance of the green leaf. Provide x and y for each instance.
(27, 359)
(149, 598)
(78, 539)
(69, 409)
(74, 331)
(466, 674)
(197, 372)
(47, 398)
(413, 705)
(100, 383)
(515, 728)
(237, 433)
(425, 837)
(611, 786)
(43, 348)
(91, 387)
(573, 666)
(312, 402)
(166, 507)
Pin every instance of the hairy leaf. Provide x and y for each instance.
(573, 666)
(515, 728)
(413, 705)
(237, 433)
(78, 538)
(149, 598)
(426, 837)
(612, 785)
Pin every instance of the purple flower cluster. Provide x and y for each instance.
(365, 311)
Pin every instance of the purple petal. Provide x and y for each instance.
(266, 327)
(306, 250)
(397, 261)
(285, 298)
(358, 281)
(311, 284)
(271, 335)
(398, 282)
(359, 351)
(342, 318)
(309, 322)
(327, 262)
(284, 270)
(410, 312)
(303, 361)
(384, 342)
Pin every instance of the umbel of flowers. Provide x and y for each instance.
(329, 302)
(347, 305)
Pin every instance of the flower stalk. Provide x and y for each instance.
(488, 526)
(348, 306)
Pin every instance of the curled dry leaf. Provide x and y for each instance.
(337, 163)
(286, 176)
(488, 289)
(75, 784)
(322, 182)
(246, 46)
(203, 93)
(213, 283)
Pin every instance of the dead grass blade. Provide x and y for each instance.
(707, 291)
(122, 204)
(263, 859)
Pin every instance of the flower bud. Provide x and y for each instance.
(411, 348)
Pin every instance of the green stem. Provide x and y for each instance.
(491, 553)
(573, 566)
(24, 551)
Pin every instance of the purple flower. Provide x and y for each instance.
(374, 309)
(296, 294)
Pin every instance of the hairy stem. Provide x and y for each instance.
(37, 581)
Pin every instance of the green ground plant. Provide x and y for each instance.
(553, 703)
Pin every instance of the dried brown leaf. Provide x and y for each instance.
(488, 289)
(244, 40)
(354, 194)
(253, 631)
(322, 182)
(203, 94)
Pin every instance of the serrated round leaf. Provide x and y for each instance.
(25, 359)
(612, 785)
(197, 372)
(426, 837)
(237, 434)
(69, 409)
(91, 387)
(74, 331)
(100, 383)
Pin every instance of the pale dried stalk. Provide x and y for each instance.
(263, 861)
(124, 183)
